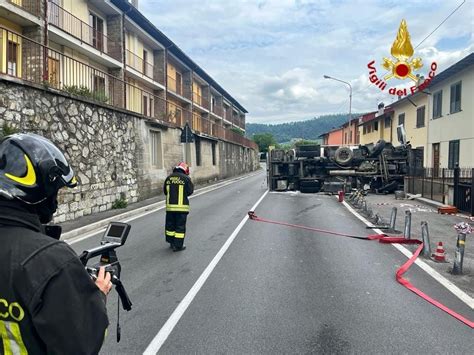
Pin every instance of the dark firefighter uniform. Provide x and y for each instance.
(178, 186)
(48, 302)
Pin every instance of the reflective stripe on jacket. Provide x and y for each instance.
(177, 188)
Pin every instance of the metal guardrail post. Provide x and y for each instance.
(456, 185)
(459, 254)
(407, 230)
(393, 218)
(432, 177)
(426, 252)
(472, 192)
(423, 175)
(444, 182)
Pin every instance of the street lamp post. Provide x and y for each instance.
(350, 101)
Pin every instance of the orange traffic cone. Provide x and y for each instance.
(440, 255)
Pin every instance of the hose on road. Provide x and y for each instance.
(382, 238)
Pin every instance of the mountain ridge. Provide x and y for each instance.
(308, 129)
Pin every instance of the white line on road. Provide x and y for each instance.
(463, 296)
(102, 224)
(168, 327)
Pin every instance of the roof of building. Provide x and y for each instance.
(445, 74)
(151, 29)
(453, 69)
(334, 129)
(373, 115)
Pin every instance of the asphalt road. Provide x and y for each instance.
(277, 289)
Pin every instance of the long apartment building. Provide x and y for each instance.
(106, 50)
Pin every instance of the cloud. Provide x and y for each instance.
(271, 55)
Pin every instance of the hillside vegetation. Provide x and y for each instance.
(309, 129)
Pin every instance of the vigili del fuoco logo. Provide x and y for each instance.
(402, 66)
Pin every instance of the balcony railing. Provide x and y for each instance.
(201, 101)
(175, 86)
(95, 37)
(31, 6)
(217, 110)
(31, 61)
(137, 63)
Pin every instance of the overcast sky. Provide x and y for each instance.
(271, 55)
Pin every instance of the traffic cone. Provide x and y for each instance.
(440, 255)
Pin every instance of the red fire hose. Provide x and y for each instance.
(382, 238)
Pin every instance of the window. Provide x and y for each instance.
(364, 130)
(453, 158)
(455, 101)
(97, 25)
(345, 137)
(214, 153)
(420, 117)
(145, 106)
(156, 153)
(376, 125)
(350, 137)
(197, 143)
(178, 116)
(99, 83)
(99, 88)
(145, 60)
(53, 72)
(401, 119)
(387, 122)
(12, 50)
(179, 83)
(437, 104)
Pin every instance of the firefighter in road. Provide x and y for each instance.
(178, 186)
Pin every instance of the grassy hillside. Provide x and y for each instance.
(309, 129)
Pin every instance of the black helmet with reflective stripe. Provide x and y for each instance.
(32, 169)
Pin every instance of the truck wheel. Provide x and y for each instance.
(343, 155)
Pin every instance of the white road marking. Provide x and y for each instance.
(100, 226)
(168, 327)
(463, 296)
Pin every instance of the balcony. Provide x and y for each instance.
(176, 86)
(31, 6)
(217, 110)
(25, 59)
(140, 65)
(201, 101)
(93, 36)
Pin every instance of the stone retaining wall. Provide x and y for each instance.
(109, 149)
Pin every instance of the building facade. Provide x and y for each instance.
(114, 93)
(450, 136)
(375, 126)
(107, 50)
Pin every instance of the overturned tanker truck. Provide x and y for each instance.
(314, 168)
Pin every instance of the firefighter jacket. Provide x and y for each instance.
(48, 302)
(177, 188)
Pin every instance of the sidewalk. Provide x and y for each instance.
(440, 230)
(134, 208)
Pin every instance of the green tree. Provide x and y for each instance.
(264, 140)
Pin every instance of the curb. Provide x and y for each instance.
(96, 226)
(445, 282)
